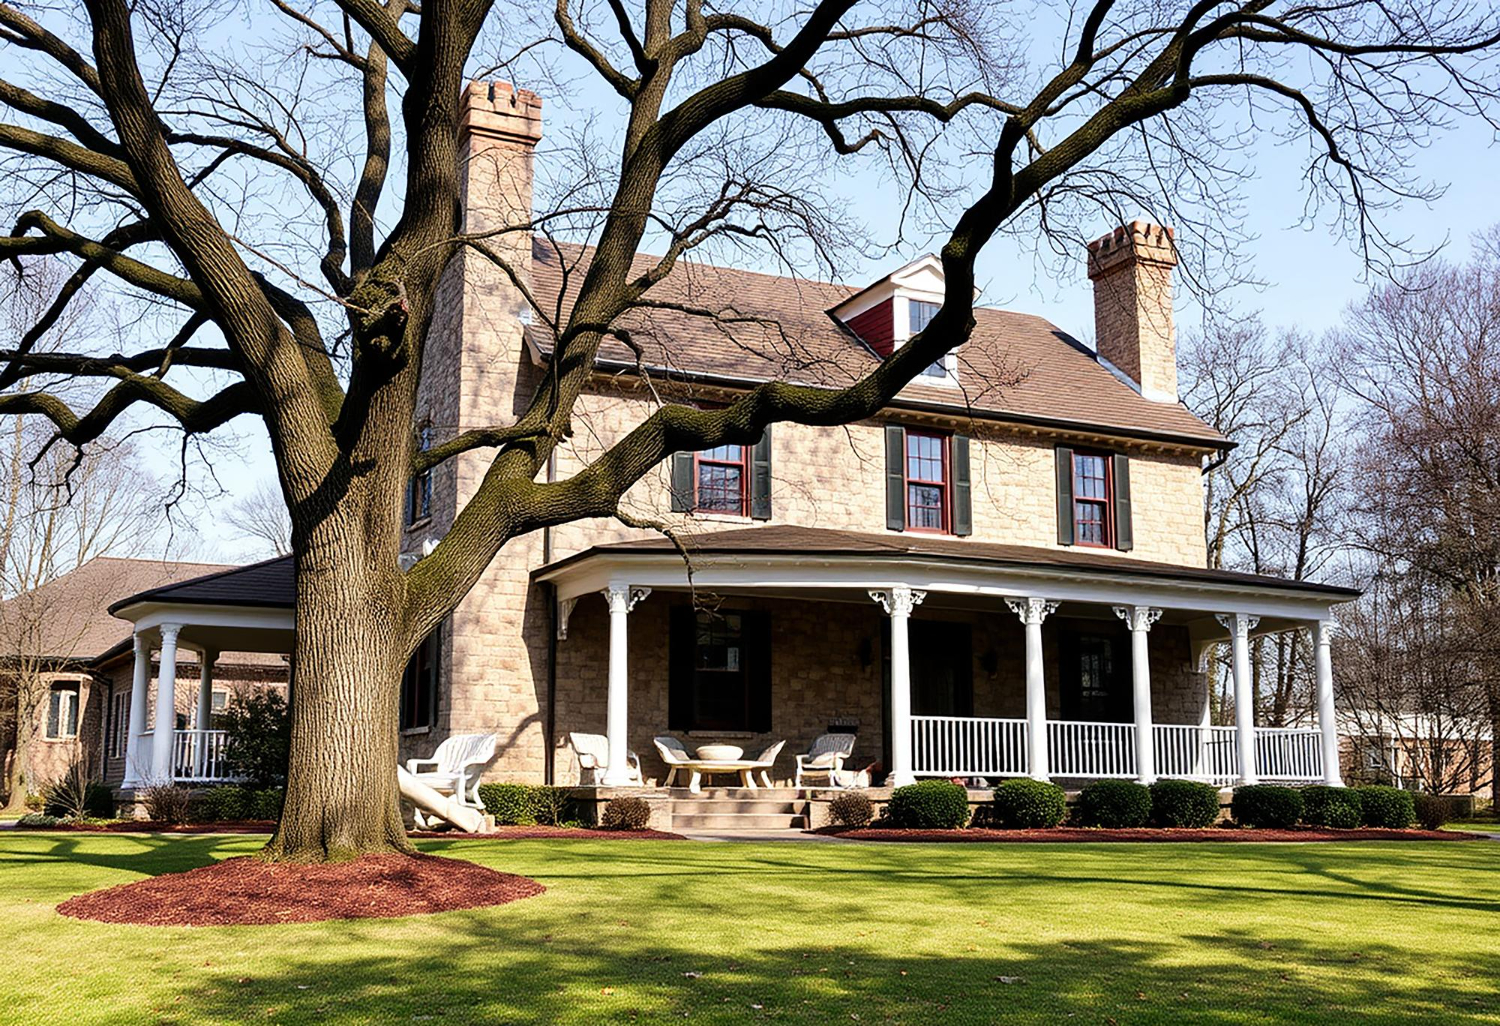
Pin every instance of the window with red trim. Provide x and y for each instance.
(1093, 500)
(723, 480)
(926, 481)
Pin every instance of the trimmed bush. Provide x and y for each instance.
(1268, 806)
(929, 805)
(1337, 807)
(167, 803)
(225, 802)
(510, 804)
(1184, 803)
(1433, 810)
(1388, 807)
(1025, 804)
(265, 803)
(551, 805)
(626, 814)
(1115, 804)
(851, 809)
(38, 821)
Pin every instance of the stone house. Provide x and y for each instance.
(1001, 574)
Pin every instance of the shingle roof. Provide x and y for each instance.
(65, 619)
(269, 583)
(1015, 367)
(811, 541)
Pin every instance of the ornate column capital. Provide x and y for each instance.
(138, 644)
(898, 601)
(1138, 618)
(1239, 625)
(623, 598)
(1324, 631)
(169, 632)
(1032, 610)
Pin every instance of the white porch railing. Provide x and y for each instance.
(199, 755)
(968, 746)
(1192, 752)
(1081, 749)
(1288, 753)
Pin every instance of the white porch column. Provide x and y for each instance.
(205, 711)
(1032, 612)
(1239, 626)
(898, 602)
(1323, 631)
(622, 598)
(135, 769)
(165, 732)
(1139, 619)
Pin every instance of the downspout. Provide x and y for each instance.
(549, 761)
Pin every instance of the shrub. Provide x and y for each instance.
(510, 804)
(1433, 810)
(1337, 807)
(1114, 803)
(257, 737)
(1268, 806)
(1184, 803)
(551, 805)
(225, 802)
(1024, 804)
(929, 805)
(626, 814)
(37, 821)
(72, 798)
(1388, 807)
(851, 809)
(265, 803)
(167, 803)
(34, 801)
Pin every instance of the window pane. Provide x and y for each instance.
(54, 713)
(924, 457)
(936, 370)
(921, 314)
(721, 487)
(70, 700)
(724, 454)
(1088, 477)
(721, 683)
(1088, 522)
(924, 507)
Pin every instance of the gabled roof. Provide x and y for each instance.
(1015, 367)
(272, 583)
(65, 619)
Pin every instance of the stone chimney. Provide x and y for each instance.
(498, 131)
(1131, 269)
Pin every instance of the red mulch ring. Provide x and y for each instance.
(530, 833)
(248, 892)
(1066, 834)
(156, 826)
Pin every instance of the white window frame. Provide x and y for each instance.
(63, 687)
(903, 332)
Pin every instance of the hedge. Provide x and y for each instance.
(1268, 806)
(226, 802)
(1388, 807)
(1025, 804)
(1115, 804)
(1337, 807)
(929, 805)
(524, 804)
(1184, 803)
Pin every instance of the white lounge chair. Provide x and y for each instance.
(825, 756)
(456, 766)
(593, 756)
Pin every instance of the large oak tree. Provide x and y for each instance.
(139, 134)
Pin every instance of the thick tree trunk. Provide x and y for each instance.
(342, 799)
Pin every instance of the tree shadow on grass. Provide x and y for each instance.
(147, 854)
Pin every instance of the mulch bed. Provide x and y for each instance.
(248, 892)
(1066, 834)
(529, 833)
(155, 826)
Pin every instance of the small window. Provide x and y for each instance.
(119, 724)
(419, 492)
(926, 481)
(62, 711)
(419, 685)
(1092, 500)
(920, 314)
(722, 480)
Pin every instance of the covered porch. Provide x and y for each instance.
(1058, 635)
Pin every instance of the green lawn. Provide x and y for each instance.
(818, 933)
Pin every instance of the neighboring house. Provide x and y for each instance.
(1001, 574)
(1419, 752)
(67, 669)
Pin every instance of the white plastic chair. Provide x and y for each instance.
(674, 754)
(456, 766)
(593, 755)
(766, 760)
(825, 756)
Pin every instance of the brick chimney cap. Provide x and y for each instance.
(500, 109)
(1136, 242)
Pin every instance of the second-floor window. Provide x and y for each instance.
(419, 492)
(926, 481)
(1092, 506)
(721, 480)
(1093, 499)
(729, 480)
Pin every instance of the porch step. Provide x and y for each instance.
(734, 807)
(736, 821)
(777, 793)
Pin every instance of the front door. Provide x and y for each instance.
(1094, 676)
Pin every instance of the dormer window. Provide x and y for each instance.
(920, 314)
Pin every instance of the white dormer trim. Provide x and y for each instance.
(921, 280)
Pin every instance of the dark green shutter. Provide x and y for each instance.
(760, 477)
(682, 645)
(756, 632)
(1123, 539)
(1064, 495)
(683, 490)
(895, 477)
(963, 503)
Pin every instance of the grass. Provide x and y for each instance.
(809, 933)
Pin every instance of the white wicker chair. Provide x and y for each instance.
(593, 755)
(825, 756)
(456, 766)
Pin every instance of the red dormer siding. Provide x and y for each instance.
(877, 327)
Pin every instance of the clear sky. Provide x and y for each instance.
(1309, 276)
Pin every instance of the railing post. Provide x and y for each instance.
(898, 603)
(1032, 612)
(1139, 619)
(1239, 626)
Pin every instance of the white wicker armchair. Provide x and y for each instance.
(825, 756)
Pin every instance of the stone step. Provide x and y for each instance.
(734, 807)
(749, 821)
(776, 793)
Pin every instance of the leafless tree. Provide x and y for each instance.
(261, 516)
(142, 156)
